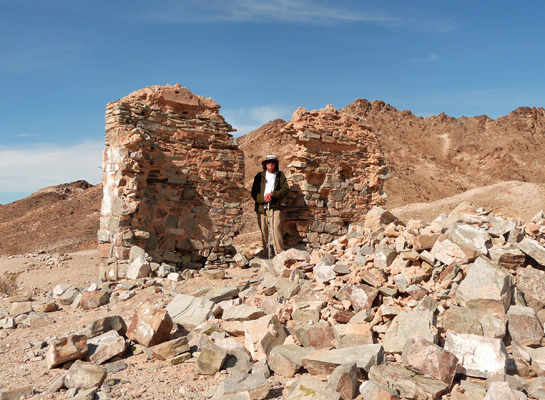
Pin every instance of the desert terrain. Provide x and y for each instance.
(436, 165)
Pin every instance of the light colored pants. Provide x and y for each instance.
(277, 241)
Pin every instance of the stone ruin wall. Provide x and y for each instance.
(336, 174)
(173, 181)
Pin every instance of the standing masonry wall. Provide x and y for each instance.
(336, 174)
(173, 181)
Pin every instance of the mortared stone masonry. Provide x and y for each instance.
(173, 180)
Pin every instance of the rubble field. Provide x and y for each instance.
(393, 309)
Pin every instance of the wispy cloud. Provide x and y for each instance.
(433, 57)
(304, 11)
(24, 135)
(32, 168)
(246, 120)
(290, 11)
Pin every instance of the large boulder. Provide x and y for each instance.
(485, 286)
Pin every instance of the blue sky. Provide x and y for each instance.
(63, 60)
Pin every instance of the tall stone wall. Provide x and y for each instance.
(173, 180)
(336, 174)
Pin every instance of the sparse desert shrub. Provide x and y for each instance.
(8, 283)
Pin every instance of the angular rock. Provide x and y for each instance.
(537, 388)
(323, 362)
(287, 258)
(94, 299)
(170, 348)
(37, 320)
(103, 325)
(349, 335)
(370, 390)
(426, 358)
(318, 336)
(106, 346)
(217, 295)
(485, 286)
(17, 393)
(535, 250)
(7, 323)
(65, 294)
(405, 326)
(524, 326)
(66, 349)
(377, 216)
(82, 375)
(425, 242)
(254, 386)
(309, 388)
(463, 320)
(20, 308)
(531, 282)
(494, 325)
(448, 252)
(384, 256)
(262, 335)
(286, 360)
(324, 273)
(138, 268)
(361, 296)
(500, 391)
(409, 385)
(286, 288)
(344, 380)
(190, 311)
(210, 359)
(307, 311)
(469, 236)
(508, 258)
(478, 356)
(242, 312)
(150, 324)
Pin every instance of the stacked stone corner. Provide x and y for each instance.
(336, 175)
(172, 181)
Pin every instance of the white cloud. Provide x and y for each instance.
(33, 168)
(247, 120)
(305, 11)
(433, 57)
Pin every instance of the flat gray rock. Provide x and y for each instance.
(189, 311)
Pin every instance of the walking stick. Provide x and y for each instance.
(267, 213)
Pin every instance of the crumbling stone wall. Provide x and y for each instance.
(336, 174)
(173, 180)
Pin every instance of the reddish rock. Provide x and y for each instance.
(95, 299)
(427, 358)
(149, 325)
(319, 335)
(66, 349)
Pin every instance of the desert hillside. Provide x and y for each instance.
(60, 218)
(435, 163)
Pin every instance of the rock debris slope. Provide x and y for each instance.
(392, 309)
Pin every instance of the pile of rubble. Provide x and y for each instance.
(336, 173)
(391, 309)
(173, 180)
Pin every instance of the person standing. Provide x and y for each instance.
(269, 189)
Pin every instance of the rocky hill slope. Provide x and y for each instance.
(435, 157)
(440, 156)
(58, 218)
